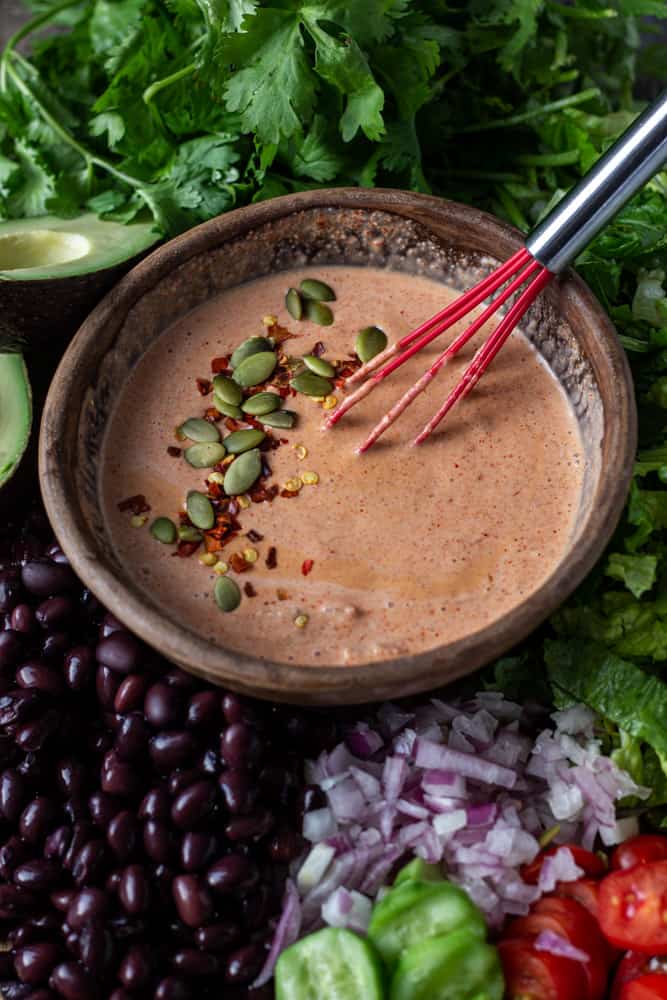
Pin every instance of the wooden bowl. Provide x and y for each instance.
(383, 228)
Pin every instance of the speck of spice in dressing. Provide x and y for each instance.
(301, 451)
(138, 520)
(329, 402)
(310, 478)
(293, 485)
(251, 555)
(208, 558)
(301, 621)
(221, 568)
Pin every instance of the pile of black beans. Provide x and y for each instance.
(147, 819)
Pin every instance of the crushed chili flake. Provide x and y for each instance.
(254, 536)
(264, 494)
(283, 391)
(173, 451)
(288, 494)
(280, 333)
(318, 349)
(186, 549)
(137, 504)
(239, 563)
(204, 386)
(215, 490)
(281, 594)
(249, 590)
(231, 424)
(271, 558)
(212, 415)
(306, 566)
(220, 364)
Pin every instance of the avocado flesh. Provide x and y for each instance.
(49, 248)
(15, 413)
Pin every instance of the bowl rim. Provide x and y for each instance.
(324, 685)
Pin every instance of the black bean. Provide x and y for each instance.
(18, 705)
(37, 819)
(163, 706)
(16, 900)
(56, 553)
(23, 619)
(34, 962)
(47, 578)
(233, 708)
(239, 746)
(10, 589)
(237, 790)
(172, 749)
(158, 841)
(122, 834)
(11, 648)
(172, 988)
(134, 890)
(180, 779)
(12, 853)
(176, 677)
(91, 863)
(230, 872)
(256, 907)
(41, 873)
(132, 737)
(252, 827)
(13, 990)
(198, 850)
(130, 694)
(136, 967)
(218, 938)
(193, 805)
(96, 948)
(42, 994)
(55, 645)
(156, 804)
(193, 900)
(243, 965)
(82, 832)
(54, 612)
(13, 793)
(121, 994)
(102, 808)
(203, 710)
(285, 846)
(209, 762)
(88, 904)
(110, 625)
(33, 735)
(71, 776)
(120, 651)
(78, 667)
(56, 844)
(119, 777)
(61, 899)
(195, 964)
(106, 685)
(72, 982)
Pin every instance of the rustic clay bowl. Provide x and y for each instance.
(390, 229)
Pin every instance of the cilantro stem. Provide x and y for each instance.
(544, 109)
(26, 30)
(154, 89)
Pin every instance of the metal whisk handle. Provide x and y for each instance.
(626, 166)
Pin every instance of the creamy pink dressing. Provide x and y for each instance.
(411, 547)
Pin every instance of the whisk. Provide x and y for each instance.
(625, 167)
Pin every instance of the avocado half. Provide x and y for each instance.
(53, 271)
(15, 414)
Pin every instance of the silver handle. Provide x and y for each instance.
(626, 166)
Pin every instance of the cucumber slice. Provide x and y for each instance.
(454, 967)
(332, 964)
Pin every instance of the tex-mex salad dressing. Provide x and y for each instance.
(390, 553)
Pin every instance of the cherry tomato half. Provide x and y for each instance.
(633, 908)
(652, 986)
(539, 975)
(639, 851)
(585, 891)
(592, 864)
(634, 965)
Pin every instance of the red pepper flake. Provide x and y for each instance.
(231, 424)
(318, 349)
(173, 451)
(214, 490)
(283, 391)
(239, 563)
(280, 333)
(306, 566)
(272, 558)
(204, 386)
(254, 536)
(281, 594)
(212, 415)
(249, 590)
(186, 549)
(288, 494)
(220, 364)
(264, 494)
(137, 504)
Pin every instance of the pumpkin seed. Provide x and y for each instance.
(255, 369)
(251, 346)
(294, 303)
(370, 341)
(200, 510)
(186, 533)
(279, 418)
(317, 290)
(226, 593)
(243, 472)
(227, 390)
(163, 530)
(318, 313)
(311, 384)
(199, 430)
(229, 411)
(240, 441)
(261, 403)
(319, 366)
(205, 455)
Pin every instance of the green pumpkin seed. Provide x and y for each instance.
(318, 313)
(229, 411)
(186, 533)
(280, 418)
(243, 472)
(261, 403)
(311, 384)
(319, 366)
(370, 341)
(317, 290)
(200, 510)
(294, 304)
(226, 593)
(251, 346)
(199, 430)
(164, 530)
(240, 441)
(205, 455)
(255, 369)
(227, 390)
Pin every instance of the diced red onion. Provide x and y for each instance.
(557, 945)
(319, 824)
(558, 867)
(431, 755)
(286, 932)
(364, 741)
